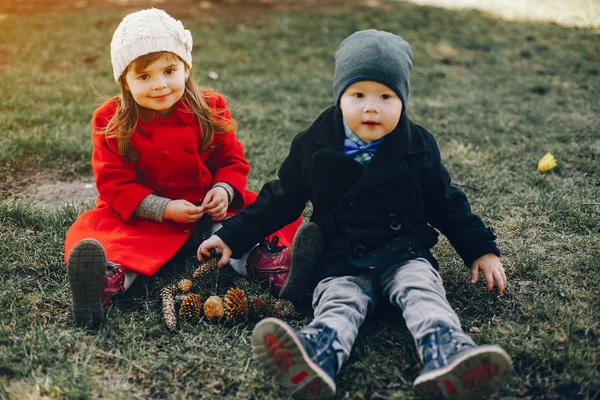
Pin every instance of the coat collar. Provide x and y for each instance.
(328, 131)
(390, 159)
(181, 114)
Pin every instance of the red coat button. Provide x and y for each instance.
(164, 155)
(189, 148)
(195, 178)
(171, 185)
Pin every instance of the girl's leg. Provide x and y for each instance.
(94, 281)
(129, 278)
(87, 271)
(287, 266)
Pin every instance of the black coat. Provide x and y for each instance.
(372, 216)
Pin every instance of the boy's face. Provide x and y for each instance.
(159, 85)
(371, 109)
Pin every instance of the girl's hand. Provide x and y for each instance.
(216, 202)
(214, 242)
(182, 211)
(492, 270)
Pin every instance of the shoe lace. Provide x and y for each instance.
(321, 337)
(272, 245)
(432, 347)
(111, 268)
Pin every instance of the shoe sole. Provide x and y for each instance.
(475, 375)
(87, 269)
(302, 262)
(279, 351)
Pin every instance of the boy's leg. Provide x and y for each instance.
(453, 365)
(343, 303)
(417, 288)
(306, 362)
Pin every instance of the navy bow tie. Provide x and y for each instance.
(352, 148)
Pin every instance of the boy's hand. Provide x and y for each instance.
(216, 202)
(182, 211)
(214, 242)
(492, 269)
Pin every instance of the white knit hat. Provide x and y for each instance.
(148, 31)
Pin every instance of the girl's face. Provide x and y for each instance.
(370, 109)
(159, 85)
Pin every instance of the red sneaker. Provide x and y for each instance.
(287, 270)
(93, 281)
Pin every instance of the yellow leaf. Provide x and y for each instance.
(546, 163)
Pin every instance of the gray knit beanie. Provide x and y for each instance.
(148, 31)
(373, 55)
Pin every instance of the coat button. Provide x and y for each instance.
(352, 205)
(189, 148)
(171, 185)
(358, 251)
(195, 178)
(395, 225)
(164, 155)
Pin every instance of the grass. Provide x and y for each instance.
(497, 95)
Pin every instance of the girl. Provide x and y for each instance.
(164, 155)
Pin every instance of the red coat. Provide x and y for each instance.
(169, 165)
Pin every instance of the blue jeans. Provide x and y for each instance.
(343, 303)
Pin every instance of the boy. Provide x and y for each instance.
(376, 183)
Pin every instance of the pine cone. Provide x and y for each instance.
(179, 297)
(185, 285)
(284, 309)
(213, 308)
(260, 308)
(190, 308)
(241, 282)
(205, 268)
(236, 306)
(173, 288)
(168, 308)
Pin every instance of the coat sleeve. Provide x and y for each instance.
(116, 179)
(279, 202)
(449, 211)
(226, 160)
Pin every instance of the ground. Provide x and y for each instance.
(53, 187)
(221, 9)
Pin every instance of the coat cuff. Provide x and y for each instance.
(482, 244)
(228, 188)
(152, 207)
(231, 237)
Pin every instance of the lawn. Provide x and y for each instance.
(498, 95)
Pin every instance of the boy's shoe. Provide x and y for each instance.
(457, 369)
(93, 281)
(304, 362)
(287, 270)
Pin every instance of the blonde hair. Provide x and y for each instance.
(122, 124)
